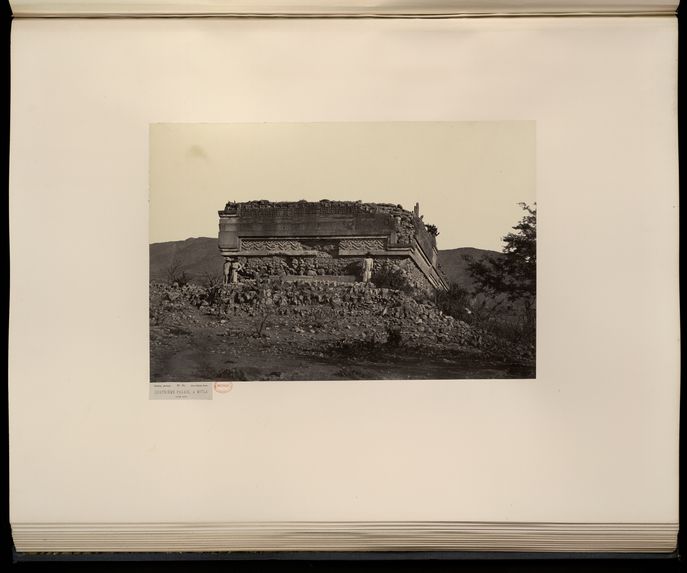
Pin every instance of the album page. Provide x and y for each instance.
(134, 137)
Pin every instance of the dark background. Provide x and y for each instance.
(433, 563)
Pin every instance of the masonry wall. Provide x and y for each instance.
(327, 238)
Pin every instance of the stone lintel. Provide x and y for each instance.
(290, 253)
(374, 253)
(405, 252)
(313, 253)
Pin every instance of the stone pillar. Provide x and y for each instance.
(368, 265)
(235, 268)
(226, 270)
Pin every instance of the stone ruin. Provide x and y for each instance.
(326, 240)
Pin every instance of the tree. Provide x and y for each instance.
(176, 273)
(213, 283)
(514, 274)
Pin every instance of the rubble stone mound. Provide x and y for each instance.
(339, 314)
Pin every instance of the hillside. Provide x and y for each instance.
(197, 256)
(455, 267)
(200, 256)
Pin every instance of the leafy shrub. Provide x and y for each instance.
(394, 337)
(389, 275)
(432, 230)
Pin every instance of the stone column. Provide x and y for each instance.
(226, 269)
(368, 264)
(235, 268)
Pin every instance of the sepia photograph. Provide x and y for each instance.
(342, 251)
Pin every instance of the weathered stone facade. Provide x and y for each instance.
(327, 239)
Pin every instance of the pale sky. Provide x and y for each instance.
(467, 176)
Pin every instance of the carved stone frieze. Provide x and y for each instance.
(271, 245)
(362, 244)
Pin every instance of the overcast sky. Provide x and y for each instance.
(467, 176)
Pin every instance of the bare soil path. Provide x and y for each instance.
(207, 348)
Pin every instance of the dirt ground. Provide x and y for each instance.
(195, 346)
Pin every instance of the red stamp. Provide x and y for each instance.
(223, 387)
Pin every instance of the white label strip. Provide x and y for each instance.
(181, 391)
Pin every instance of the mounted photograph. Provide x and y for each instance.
(342, 251)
